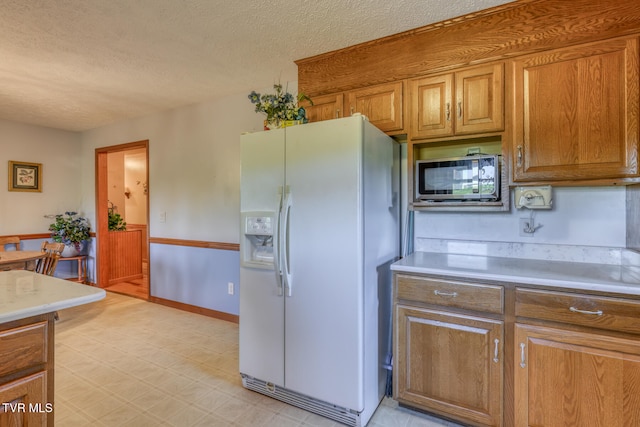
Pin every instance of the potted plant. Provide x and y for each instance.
(116, 222)
(72, 230)
(280, 107)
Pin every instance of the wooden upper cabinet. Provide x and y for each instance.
(324, 107)
(382, 104)
(430, 108)
(469, 101)
(480, 99)
(576, 112)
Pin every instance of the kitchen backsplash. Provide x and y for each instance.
(583, 216)
(586, 224)
(551, 252)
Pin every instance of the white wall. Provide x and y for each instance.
(60, 153)
(194, 181)
(194, 166)
(584, 216)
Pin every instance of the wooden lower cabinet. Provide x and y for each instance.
(22, 402)
(569, 378)
(450, 364)
(516, 356)
(27, 372)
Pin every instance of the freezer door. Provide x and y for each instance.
(324, 314)
(261, 301)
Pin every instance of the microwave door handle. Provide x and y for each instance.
(474, 176)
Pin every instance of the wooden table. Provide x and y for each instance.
(20, 260)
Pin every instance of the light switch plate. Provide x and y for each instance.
(533, 197)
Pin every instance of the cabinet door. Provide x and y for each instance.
(24, 402)
(451, 364)
(324, 107)
(382, 104)
(480, 99)
(569, 378)
(431, 106)
(576, 112)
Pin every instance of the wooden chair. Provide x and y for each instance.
(9, 240)
(47, 265)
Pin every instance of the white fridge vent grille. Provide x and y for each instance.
(336, 413)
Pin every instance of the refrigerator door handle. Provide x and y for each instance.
(277, 264)
(284, 242)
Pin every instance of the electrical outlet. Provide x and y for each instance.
(163, 217)
(525, 224)
(230, 288)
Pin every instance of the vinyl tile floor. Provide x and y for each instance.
(124, 362)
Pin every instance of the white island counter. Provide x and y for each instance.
(28, 302)
(25, 294)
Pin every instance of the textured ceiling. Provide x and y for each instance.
(81, 64)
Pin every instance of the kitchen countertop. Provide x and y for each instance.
(25, 293)
(572, 275)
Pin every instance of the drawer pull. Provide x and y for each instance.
(595, 313)
(445, 294)
(522, 356)
(495, 350)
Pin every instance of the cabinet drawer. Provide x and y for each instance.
(616, 314)
(487, 298)
(23, 347)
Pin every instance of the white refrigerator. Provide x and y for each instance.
(319, 230)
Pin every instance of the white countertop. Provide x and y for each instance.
(25, 294)
(572, 275)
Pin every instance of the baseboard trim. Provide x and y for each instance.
(195, 309)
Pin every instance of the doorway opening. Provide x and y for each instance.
(122, 216)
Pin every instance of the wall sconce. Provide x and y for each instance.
(127, 192)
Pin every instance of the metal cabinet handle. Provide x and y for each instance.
(448, 111)
(522, 356)
(495, 350)
(459, 109)
(445, 294)
(595, 313)
(337, 113)
(519, 161)
(352, 111)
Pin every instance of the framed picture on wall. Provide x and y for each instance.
(25, 176)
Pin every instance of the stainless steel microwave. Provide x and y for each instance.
(474, 177)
